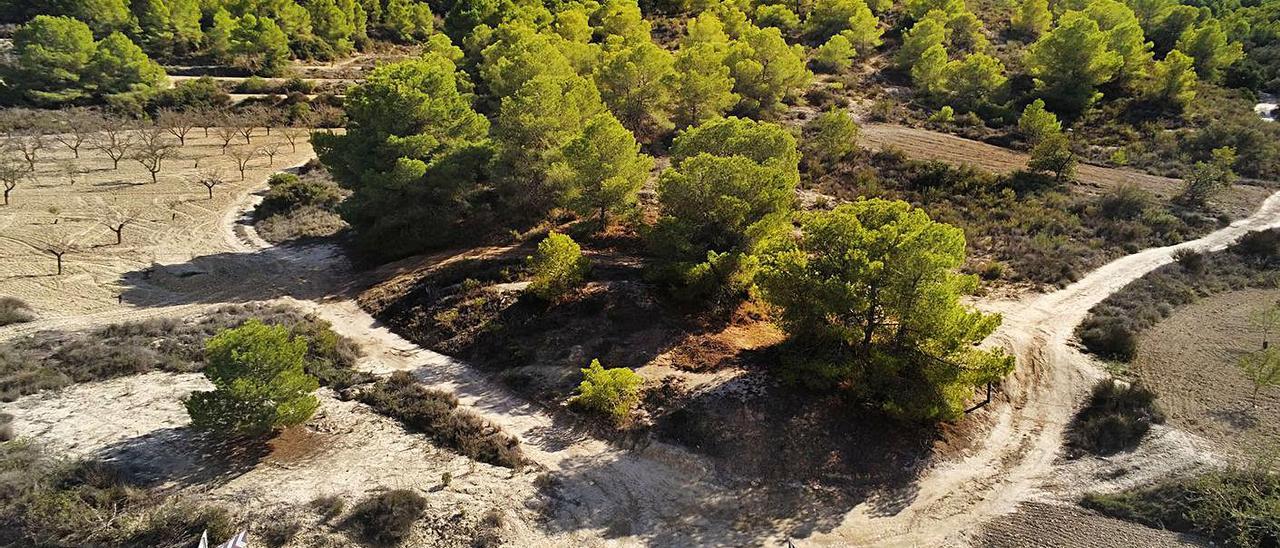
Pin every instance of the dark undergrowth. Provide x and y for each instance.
(1020, 227)
(1111, 330)
(51, 360)
(1115, 419)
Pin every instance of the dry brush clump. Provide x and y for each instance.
(14, 310)
(437, 413)
(1111, 330)
(54, 359)
(50, 501)
(300, 206)
(387, 518)
(1116, 418)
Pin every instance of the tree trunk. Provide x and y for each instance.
(59, 256)
(210, 189)
(6, 195)
(119, 234)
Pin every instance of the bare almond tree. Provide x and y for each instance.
(242, 156)
(226, 130)
(295, 134)
(177, 122)
(209, 179)
(153, 149)
(245, 123)
(117, 218)
(59, 247)
(270, 150)
(29, 143)
(74, 127)
(206, 118)
(264, 116)
(115, 140)
(11, 173)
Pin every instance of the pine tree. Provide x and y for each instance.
(1173, 80)
(1071, 61)
(1032, 18)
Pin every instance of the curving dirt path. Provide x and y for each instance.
(1040, 399)
(659, 494)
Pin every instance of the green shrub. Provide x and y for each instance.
(387, 518)
(1234, 506)
(1116, 418)
(253, 84)
(259, 382)
(944, 115)
(290, 193)
(557, 266)
(614, 392)
(14, 310)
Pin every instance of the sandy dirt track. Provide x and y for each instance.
(659, 494)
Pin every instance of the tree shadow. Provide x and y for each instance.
(182, 456)
(1243, 418)
(302, 271)
(737, 466)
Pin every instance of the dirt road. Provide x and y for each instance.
(659, 494)
(1051, 379)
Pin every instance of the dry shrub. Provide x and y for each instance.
(328, 506)
(14, 310)
(1111, 330)
(56, 502)
(387, 518)
(1116, 418)
(436, 413)
(53, 360)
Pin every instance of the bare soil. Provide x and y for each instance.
(175, 219)
(1239, 201)
(1190, 359)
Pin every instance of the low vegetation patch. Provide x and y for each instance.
(1116, 418)
(387, 518)
(437, 413)
(1112, 327)
(1236, 506)
(1032, 225)
(300, 206)
(46, 501)
(14, 310)
(55, 359)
